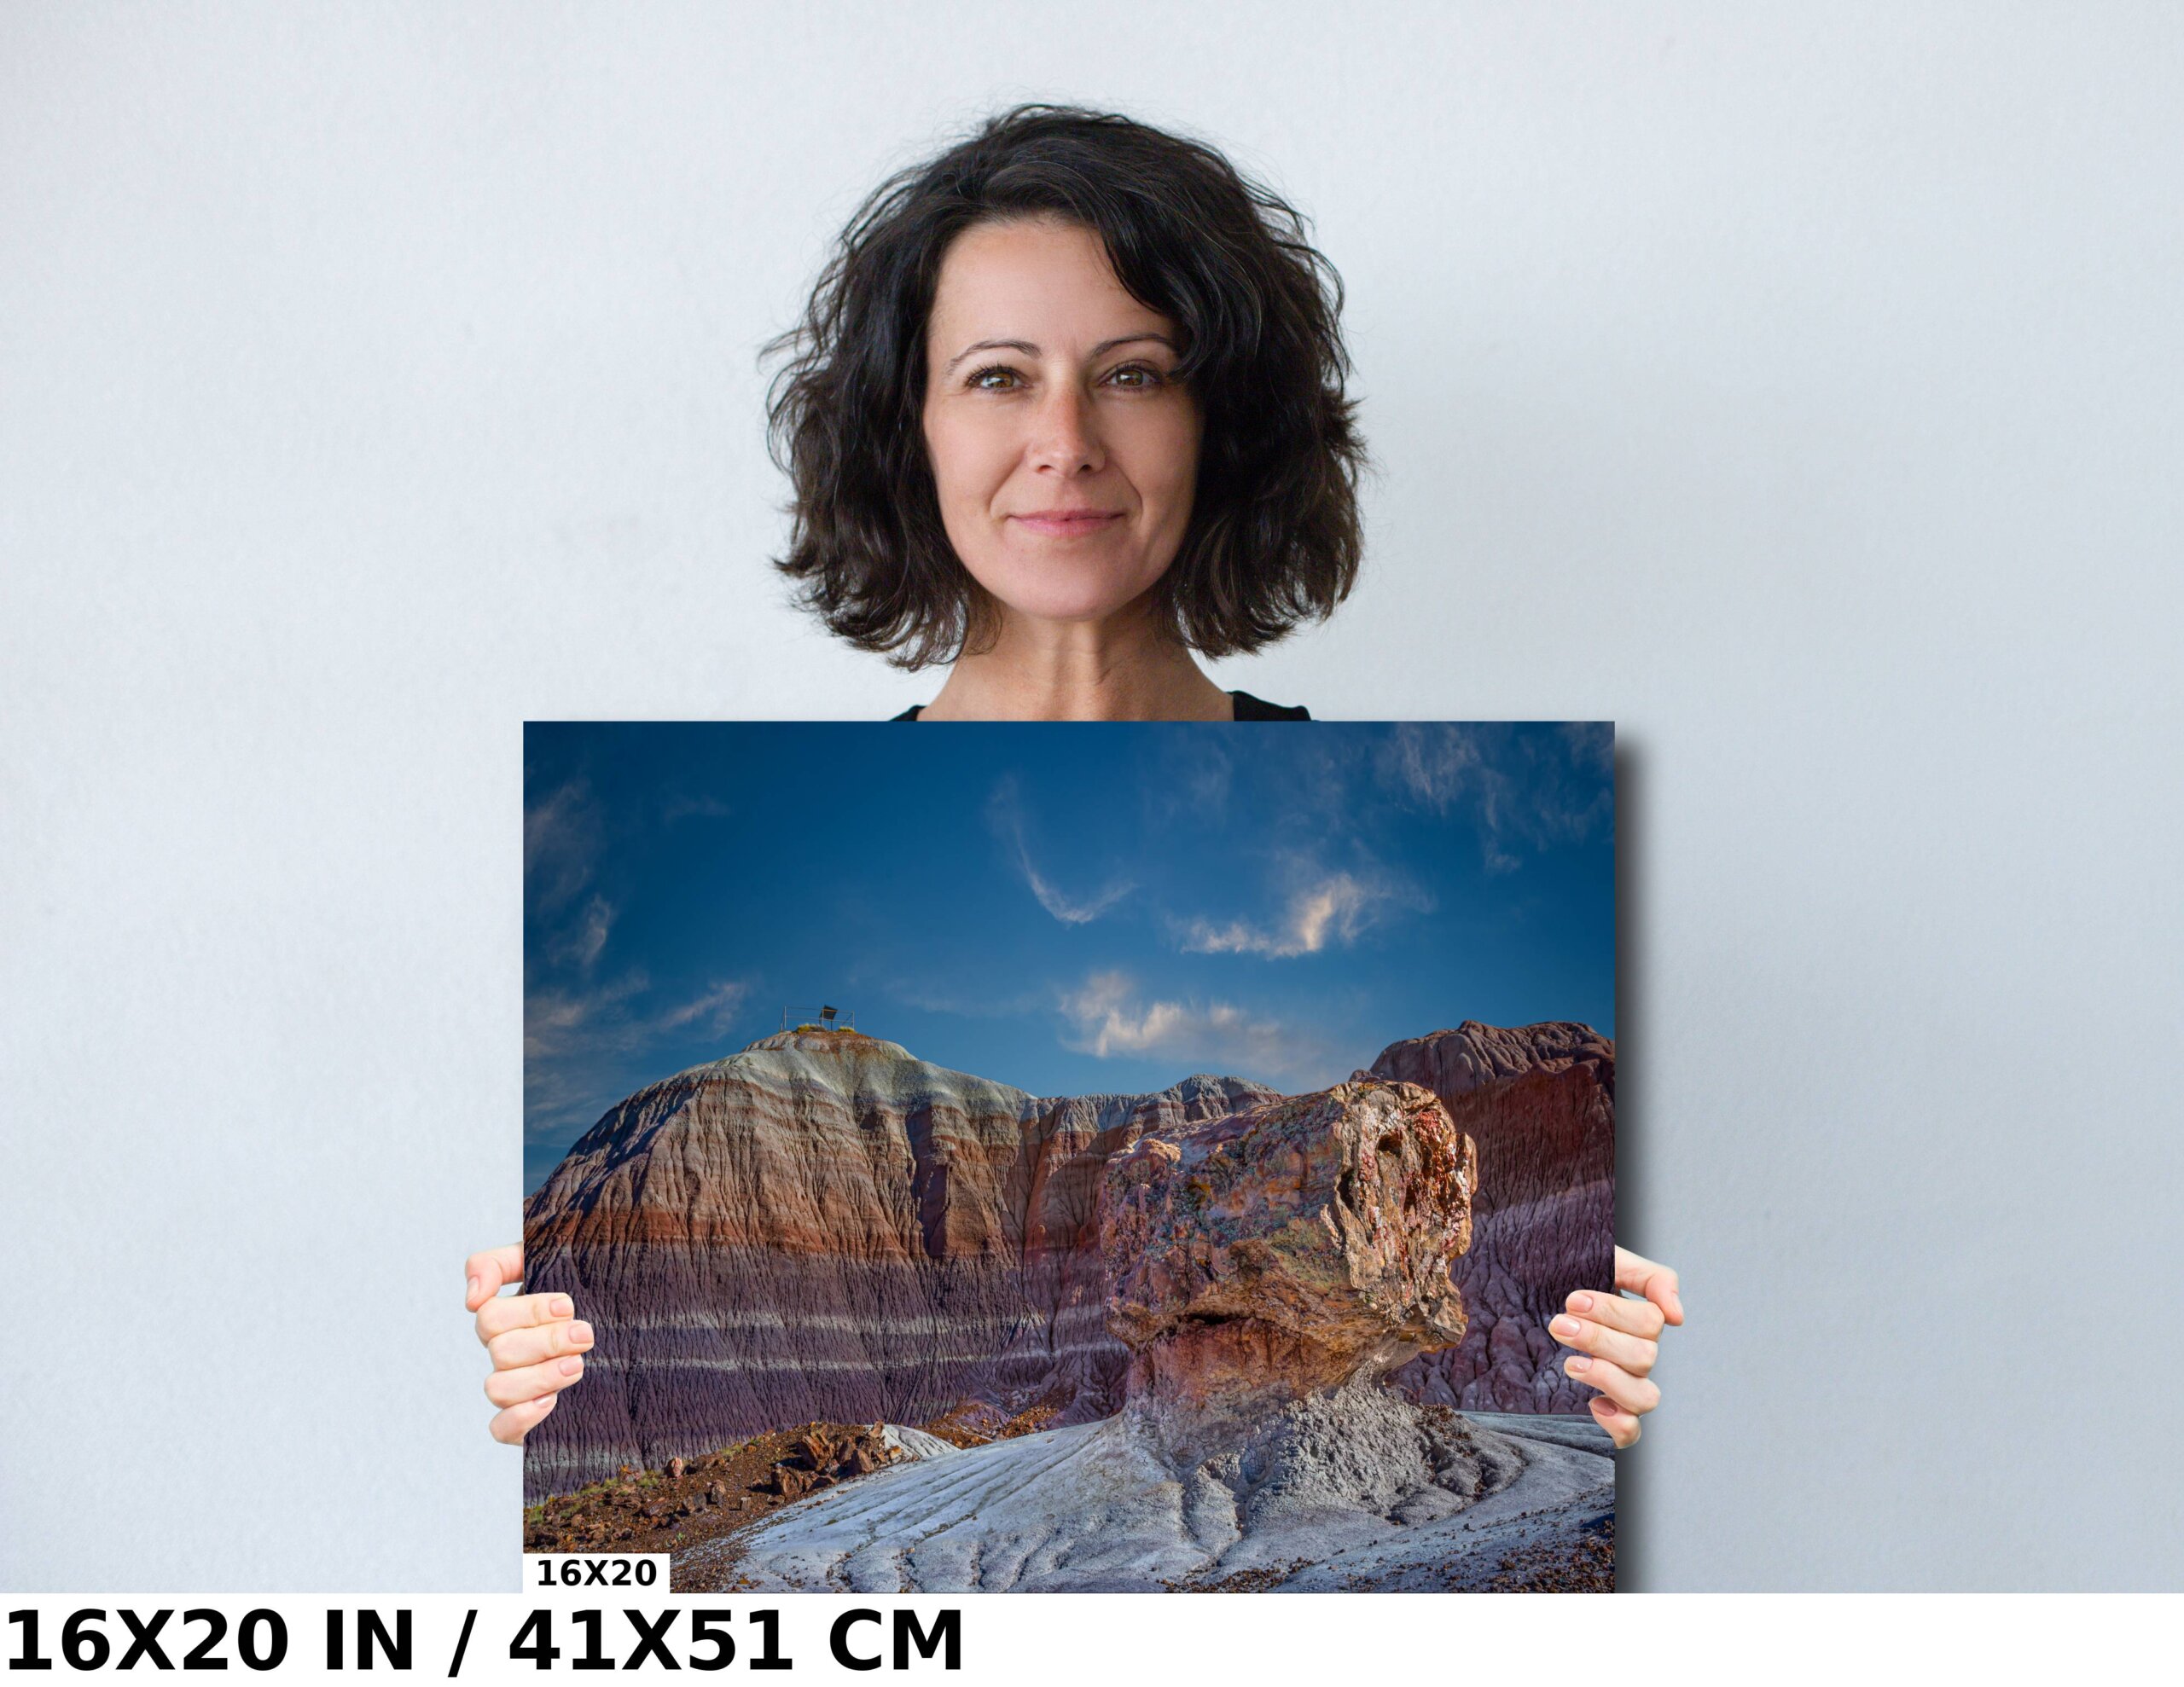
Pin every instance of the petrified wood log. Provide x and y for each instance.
(1288, 1249)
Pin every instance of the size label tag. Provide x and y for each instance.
(580, 1575)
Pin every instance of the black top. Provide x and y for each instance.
(1248, 708)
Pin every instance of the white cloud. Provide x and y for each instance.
(1106, 1018)
(1006, 812)
(1062, 908)
(1328, 908)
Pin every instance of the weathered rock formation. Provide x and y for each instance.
(1288, 1247)
(824, 1228)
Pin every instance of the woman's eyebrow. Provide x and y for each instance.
(1031, 350)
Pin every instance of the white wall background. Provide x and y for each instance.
(1798, 387)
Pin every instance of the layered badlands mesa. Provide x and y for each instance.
(823, 1227)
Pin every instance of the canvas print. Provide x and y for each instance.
(1053, 1156)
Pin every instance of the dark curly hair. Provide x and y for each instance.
(1273, 534)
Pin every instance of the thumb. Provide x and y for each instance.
(488, 1272)
(1655, 1282)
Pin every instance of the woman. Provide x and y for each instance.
(1067, 409)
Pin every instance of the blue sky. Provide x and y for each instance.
(1068, 908)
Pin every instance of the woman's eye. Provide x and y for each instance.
(1000, 378)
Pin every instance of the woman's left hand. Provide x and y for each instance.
(1618, 1339)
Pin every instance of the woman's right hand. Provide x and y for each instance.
(536, 1341)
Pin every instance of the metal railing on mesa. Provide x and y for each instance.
(827, 1019)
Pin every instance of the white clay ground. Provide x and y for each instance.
(1360, 1491)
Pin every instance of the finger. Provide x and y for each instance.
(512, 1425)
(1621, 1426)
(512, 1387)
(536, 1342)
(505, 1313)
(489, 1273)
(1634, 1395)
(1634, 1354)
(1655, 1281)
(1618, 1312)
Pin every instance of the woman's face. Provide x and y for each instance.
(1064, 452)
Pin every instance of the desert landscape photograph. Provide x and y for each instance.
(1072, 1156)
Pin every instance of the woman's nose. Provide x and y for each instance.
(1065, 435)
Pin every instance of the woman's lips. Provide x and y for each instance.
(1067, 523)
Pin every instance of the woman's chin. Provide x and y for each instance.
(1073, 602)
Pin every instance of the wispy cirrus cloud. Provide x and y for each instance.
(584, 1050)
(1523, 790)
(1433, 764)
(590, 1034)
(1006, 812)
(559, 1021)
(581, 945)
(568, 1022)
(1107, 1018)
(715, 1008)
(563, 833)
(1591, 743)
(1189, 779)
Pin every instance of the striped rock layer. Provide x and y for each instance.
(1540, 1103)
(824, 1227)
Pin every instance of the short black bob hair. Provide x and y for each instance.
(1274, 536)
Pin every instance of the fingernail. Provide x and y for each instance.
(571, 1365)
(580, 1333)
(1581, 1303)
(1567, 1328)
(1602, 1403)
(1577, 1363)
(561, 1306)
(1676, 1300)
(473, 1294)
